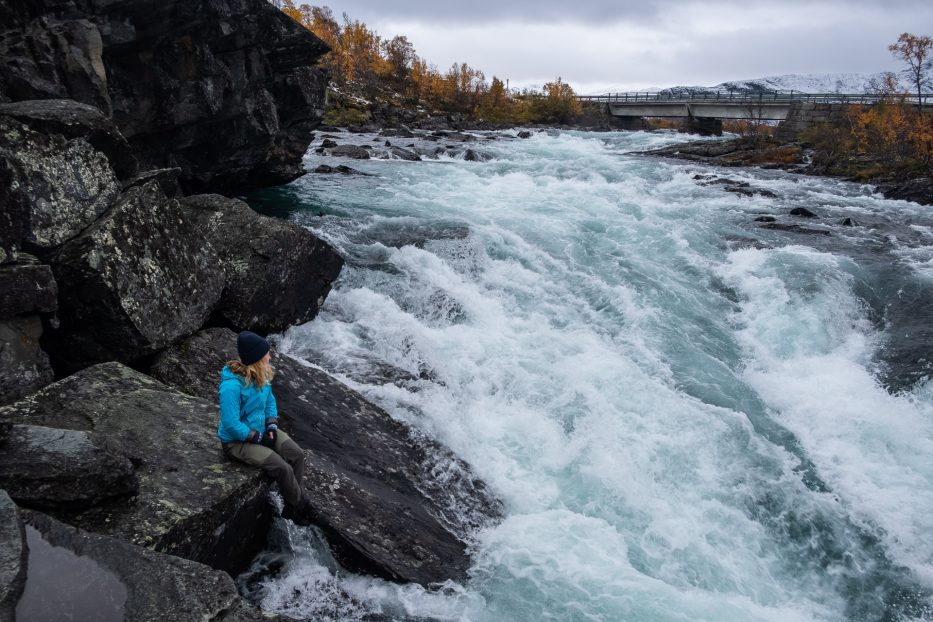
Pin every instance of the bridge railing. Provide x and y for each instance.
(737, 97)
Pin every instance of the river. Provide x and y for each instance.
(688, 416)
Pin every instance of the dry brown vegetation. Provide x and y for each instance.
(365, 66)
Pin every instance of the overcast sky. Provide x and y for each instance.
(599, 45)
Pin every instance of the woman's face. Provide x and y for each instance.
(267, 357)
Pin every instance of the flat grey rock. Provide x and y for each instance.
(192, 502)
(49, 468)
(121, 581)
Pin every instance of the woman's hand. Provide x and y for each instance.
(269, 438)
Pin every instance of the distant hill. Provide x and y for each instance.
(797, 82)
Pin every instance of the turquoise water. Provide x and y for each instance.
(688, 417)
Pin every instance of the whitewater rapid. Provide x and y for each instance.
(687, 416)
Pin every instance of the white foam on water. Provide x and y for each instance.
(582, 348)
(810, 358)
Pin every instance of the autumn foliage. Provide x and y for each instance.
(891, 136)
(364, 64)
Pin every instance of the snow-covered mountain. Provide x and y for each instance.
(809, 83)
(797, 82)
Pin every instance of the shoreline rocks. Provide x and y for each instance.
(228, 92)
(192, 502)
(369, 477)
(791, 157)
(141, 278)
(122, 579)
(13, 556)
(262, 292)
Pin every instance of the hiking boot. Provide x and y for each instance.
(301, 514)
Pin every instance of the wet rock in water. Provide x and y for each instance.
(404, 154)
(524, 134)
(327, 143)
(57, 186)
(192, 502)
(139, 279)
(277, 273)
(919, 190)
(476, 156)
(339, 169)
(397, 133)
(849, 222)
(24, 366)
(121, 581)
(391, 502)
(748, 191)
(48, 468)
(765, 219)
(13, 555)
(802, 212)
(794, 228)
(351, 151)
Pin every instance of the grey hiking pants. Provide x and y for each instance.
(286, 465)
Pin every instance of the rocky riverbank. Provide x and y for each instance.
(122, 278)
(796, 157)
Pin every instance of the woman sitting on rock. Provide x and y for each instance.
(249, 430)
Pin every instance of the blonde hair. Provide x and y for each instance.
(259, 373)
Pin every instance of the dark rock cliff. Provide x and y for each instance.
(225, 90)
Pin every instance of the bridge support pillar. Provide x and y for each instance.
(704, 126)
(628, 123)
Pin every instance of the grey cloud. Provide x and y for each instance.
(585, 12)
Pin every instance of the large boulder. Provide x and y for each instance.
(73, 119)
(56, 186)
(48, 468)
(227, 91)
(121, 581)
(192, 502)
(12, 556)
(278, 273)
(390, 501)
(137, 280)
(51, 51)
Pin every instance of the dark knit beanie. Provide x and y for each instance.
(251, 347)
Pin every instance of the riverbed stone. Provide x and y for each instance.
(57, 186)
(142, 277)
(192, 502)
(390, 501)
(49, 468)
(277, 273)
(146, 585)
(355, 152)
(13, 555)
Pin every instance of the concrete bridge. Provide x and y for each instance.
(705, 110)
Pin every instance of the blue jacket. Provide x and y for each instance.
(242, 408)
